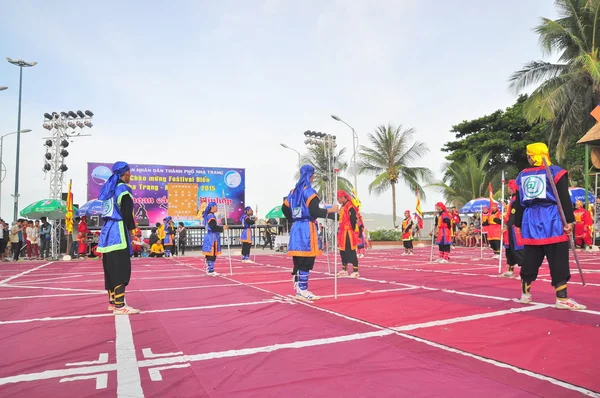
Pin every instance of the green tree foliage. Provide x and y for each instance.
(317, 158)
(390, 158)
(569, 89)
(467, 179)
(502, 135)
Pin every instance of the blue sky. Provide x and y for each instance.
(204, 83)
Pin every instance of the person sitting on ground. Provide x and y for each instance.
(157, 250)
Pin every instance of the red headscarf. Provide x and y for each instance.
(343, 194)
(441, 206)
(512, 184)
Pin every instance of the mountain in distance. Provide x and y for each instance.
(375, 221)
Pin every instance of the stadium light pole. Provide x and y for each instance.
(354, 149)
(21, 64)
(292, 149)
(2, 164)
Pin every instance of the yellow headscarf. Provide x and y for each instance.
(537, 152)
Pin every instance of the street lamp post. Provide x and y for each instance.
(292, 149)
(21, 64)
(354, 149)
(2, 164)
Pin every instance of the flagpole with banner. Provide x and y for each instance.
(68, 220)
(501, 226)
(419, 212)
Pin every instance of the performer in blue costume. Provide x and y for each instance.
(247, 221)
(115, 238)
(211, 244)
(301, 208)
(544, 235)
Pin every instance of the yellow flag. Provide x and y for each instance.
(69, 215)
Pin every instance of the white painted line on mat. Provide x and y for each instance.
(204, 307)
(53, 288)
(46, 279)
(147, 353)
(102, 358)
(2, 282)
(452, 320)
(155, 372)
(101, 380)
(129, 382)
(264, 349)
(369, 292)
(499, 364)
(468, 318)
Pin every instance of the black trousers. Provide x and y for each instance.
(349, 256)
(117, 268)
(513, 257)
(303, 264)
(246, 248)
(558, 261)
(408, 244)
(444, 248)
(495, 245)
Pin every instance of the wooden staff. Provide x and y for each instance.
(562, 217)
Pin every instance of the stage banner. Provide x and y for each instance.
(177, 191)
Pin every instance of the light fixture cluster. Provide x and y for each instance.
(64, 125)
(68, 119)
(318, 138)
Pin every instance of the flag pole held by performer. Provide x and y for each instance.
(563, 218)
(335, 229)
(501, 226)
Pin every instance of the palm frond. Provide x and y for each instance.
(535, 72)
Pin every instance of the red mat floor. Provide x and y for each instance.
(406, 327)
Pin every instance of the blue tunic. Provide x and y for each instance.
(211, 244)
(246, 235)
(113, 236)
(541, 224)
(304, 239)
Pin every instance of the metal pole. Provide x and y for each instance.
(335, 244)
(16, 207)
(587, 175)
(1, 164)
(355, 147)
(501, 226)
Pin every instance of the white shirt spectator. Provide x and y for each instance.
(33, 235)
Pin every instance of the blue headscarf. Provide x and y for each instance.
(108, 189)
(306, 172)
(207, 211)
(245, 213)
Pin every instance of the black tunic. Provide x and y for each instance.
(117, 264)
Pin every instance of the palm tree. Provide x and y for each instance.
(569, 89)
(389, 160)
(468, 179)
(317, 158)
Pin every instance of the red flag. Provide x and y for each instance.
(491, 195)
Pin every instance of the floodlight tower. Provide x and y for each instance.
(63, 127)
(328, 144)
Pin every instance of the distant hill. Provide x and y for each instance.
(375, 221)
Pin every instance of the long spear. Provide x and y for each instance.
(501, 226)
(562, 217)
